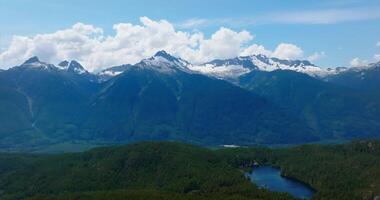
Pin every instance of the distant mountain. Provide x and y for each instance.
(169, 103)
(42, 104)
(231, 69)
(164, 63)
(159, 98)
(35, 63)
(161, 62)
(74, 67)
(363, 78)
(330, 110)
(259, 100)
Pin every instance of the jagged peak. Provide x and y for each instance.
(31, 60)
(75, 64)
(163, 53)
(165, 63)
(34, 62)
(76, 67)
(235, 67)
(64, 64)
(167, 56)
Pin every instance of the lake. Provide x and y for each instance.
(271, 179)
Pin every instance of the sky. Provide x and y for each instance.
(100, 34)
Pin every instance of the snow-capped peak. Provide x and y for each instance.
(164, 63)
(35, 63)
(161, 62)
(235, 67)
(72, 67)
(165, 55)
(76, 67)
(365, 67)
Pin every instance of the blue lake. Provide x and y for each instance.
(271, 179)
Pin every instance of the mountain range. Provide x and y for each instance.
(244, 101)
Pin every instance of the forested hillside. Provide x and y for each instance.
(160, 170)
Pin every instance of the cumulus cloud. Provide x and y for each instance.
(130, 43)
(283, 51)
(288, 51)
(256, 49)
(316, 56)
(357, 62)
(224, 43)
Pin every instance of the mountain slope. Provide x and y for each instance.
(366, 78)
(334, 112)
(147, 104)
(159, 98)
(52, 103)
(164, 98)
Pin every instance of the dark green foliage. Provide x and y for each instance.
(170, 170)
(348, 171)
(344, 171)
(177, 171)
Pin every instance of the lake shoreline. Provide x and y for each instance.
(271, 178)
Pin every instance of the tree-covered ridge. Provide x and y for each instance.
(162, 170)
(347, 171)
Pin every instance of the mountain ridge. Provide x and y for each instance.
(163, 98)
(228, 69)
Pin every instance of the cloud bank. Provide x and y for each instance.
(131, 43)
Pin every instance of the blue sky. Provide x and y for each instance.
(338, 30)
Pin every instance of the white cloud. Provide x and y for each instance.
(224, 43)
(131, 43)
(376, 57)
(325, 16)
(282, 51)
(255, 49)
(192, 23)
(378, 44)
(315, 16)
(77, 42)
(357, 62)
(288, 51)
(316, 56)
